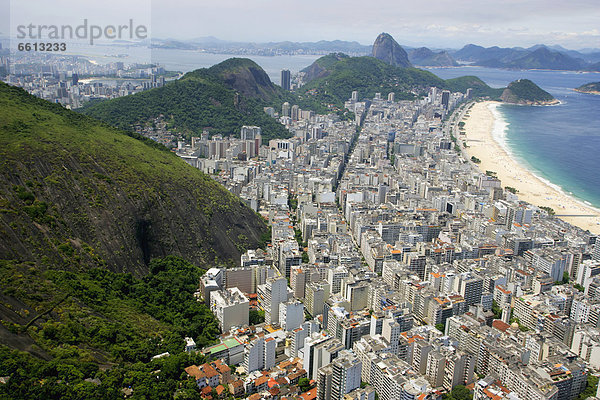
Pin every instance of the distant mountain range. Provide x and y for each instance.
(426, 57)
(332, 78)
(536, 57)
(215, 45)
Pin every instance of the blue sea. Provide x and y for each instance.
(560, 144)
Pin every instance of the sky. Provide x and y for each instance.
(438, 23)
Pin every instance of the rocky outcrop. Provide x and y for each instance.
(388, 50)
(79, 194)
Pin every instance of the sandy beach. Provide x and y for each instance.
(479, 136)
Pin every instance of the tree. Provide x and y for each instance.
(440, 327)
(458, 392)
(304, 384)
(590, 389)
(305, 258)
(496, 310)
(256, 317)
(549, 210)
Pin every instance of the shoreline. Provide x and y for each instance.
(485, 133)
(594, 92)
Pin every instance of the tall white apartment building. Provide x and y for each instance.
(231, 308)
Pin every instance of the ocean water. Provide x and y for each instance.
(187, 60)
(560, 144)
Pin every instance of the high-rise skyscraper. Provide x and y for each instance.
(270, 295)
(445, 99)
(250, 132)
(340, 377)
(295, 112)
(285, 79)
(285, 109)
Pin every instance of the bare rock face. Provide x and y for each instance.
(388, 50)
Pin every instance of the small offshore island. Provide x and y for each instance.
(591, 88)
(525, 92)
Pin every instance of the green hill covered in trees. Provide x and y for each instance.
(592, 87)
(524, 91)
(94, 332)
(95, 224)
(76, 192)
(331, 80)
(368, 76)
(222, 98)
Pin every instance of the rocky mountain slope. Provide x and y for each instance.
(389, 51)
(77, 193)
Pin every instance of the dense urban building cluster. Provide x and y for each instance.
(73, 81)
(395, 266)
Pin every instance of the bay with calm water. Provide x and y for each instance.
(187, 60)
(560, 144)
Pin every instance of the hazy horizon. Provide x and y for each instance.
(445, 24)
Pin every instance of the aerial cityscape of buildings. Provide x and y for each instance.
(395, 266)
(73, 80)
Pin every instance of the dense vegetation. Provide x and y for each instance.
(525, 91)
(332, 78)
(590, 388)
(222, 98)
(322, 66)
(88, 218)
(368, 76)
(458, 392)
(102, 325)
(592, 87)
(256, 317)
(79, 194)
